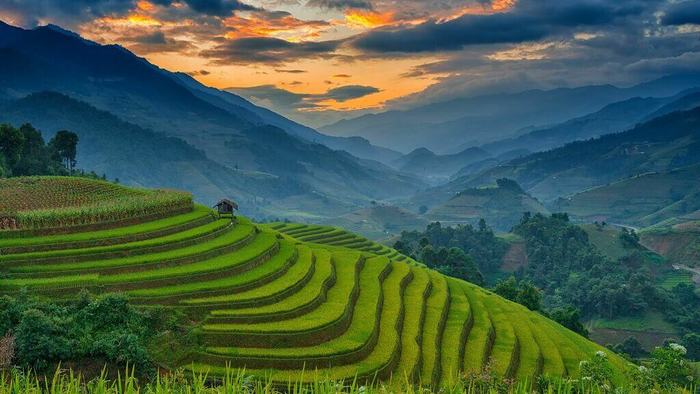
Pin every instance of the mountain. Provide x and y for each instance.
(611, 119)
(451, 126)
(502, 206)
(490, 162)
(642, 200)
(661, 144)
(425, 163)
(122, 150)
(356, 146)
(227, 130)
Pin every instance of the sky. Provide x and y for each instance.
(319, 61)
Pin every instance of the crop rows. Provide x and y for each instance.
(41, 203)
(283, 299)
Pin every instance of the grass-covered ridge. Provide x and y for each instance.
(283, 299)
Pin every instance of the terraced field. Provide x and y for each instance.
(285, 299)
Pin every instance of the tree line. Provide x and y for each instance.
(24, 152)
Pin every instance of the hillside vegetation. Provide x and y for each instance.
(501, 206)
(283, 298)
(642, 200)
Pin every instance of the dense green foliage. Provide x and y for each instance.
(433, 247)
(105, 328)
(571, 271)
(24, 152)
(523, 292)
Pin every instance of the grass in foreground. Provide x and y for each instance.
(239, 382)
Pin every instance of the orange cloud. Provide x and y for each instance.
(368, 19)
(287, 27)
(493, 7)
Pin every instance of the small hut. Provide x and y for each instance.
(226, 207)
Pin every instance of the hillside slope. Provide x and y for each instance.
(501, 206)
(286, 298)
(643, 200)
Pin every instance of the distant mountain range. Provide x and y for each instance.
(151, 127)
(452, 126)
(613, 118)
(427, 164)
(662, 144)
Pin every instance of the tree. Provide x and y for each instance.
(630, 347)
(529, 296)
(691, 342)
(65, 145)
(459, 265)
(507, 288)
(39, 340)
(11, 144)
(524, 293)
(570, 318)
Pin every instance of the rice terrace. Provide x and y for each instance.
(279, 300)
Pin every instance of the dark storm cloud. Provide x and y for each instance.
(268, 50)
(218, 7)
(74, 12)
(155, 42)
(350, 92)
(530, 20)
(341, 4)
(155, 38)
(62, 11)
(687, 12)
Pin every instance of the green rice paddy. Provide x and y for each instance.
(283, 299)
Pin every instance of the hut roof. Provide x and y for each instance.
(228, 202)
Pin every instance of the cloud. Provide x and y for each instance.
(686, 12)
(292, 71)
(529, 20)
(217, 7)
(287, 102)
(341, 4)
(30, 13)
(268, 50)
(198, 73)
(350, 92)
(273, 97)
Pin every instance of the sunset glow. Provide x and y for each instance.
(403, 51)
